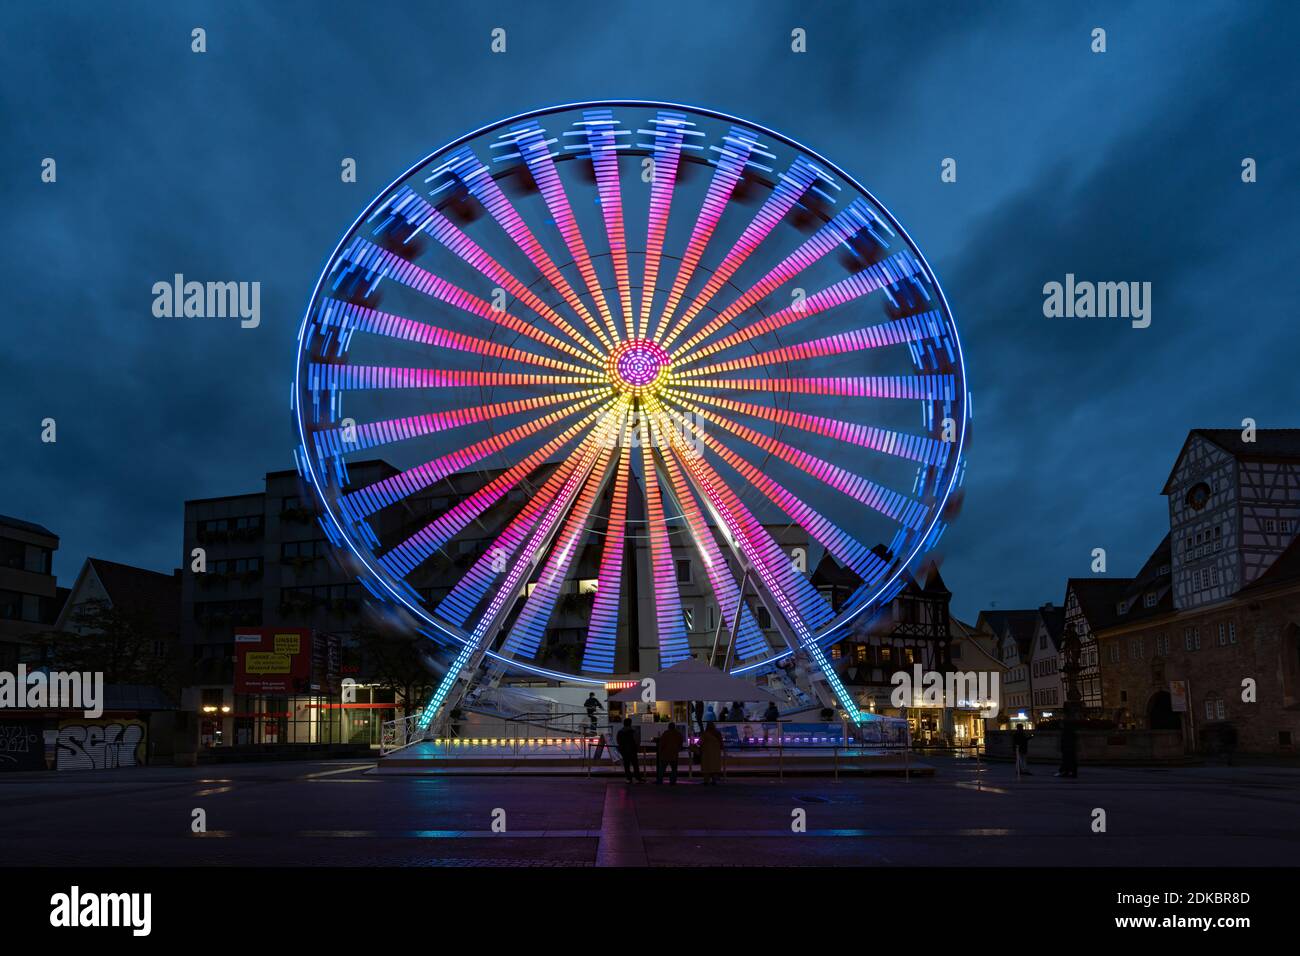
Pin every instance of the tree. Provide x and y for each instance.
(120, 643)
(394, 661)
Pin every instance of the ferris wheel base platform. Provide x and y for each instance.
(556, 759)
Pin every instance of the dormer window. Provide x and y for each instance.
(1149, 599)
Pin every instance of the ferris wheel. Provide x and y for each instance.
(580, 367)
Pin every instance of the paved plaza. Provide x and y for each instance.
(336, 813)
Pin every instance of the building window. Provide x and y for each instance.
(764, 617)
(1162, 645)
(1137, 648)
(1042, 642)
(1218, 538)
(1114, 653)
(303, 550)
(684, 571)
(237, 566)
(1232, 632)
(688, 615)
(1149, 599)
(1192, 638)
(15, 606)
(1214, 708)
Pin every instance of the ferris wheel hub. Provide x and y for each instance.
(638, 366)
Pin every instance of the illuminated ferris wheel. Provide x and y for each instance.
(591, 339)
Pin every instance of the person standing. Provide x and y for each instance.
(1020, 744)
(592, 705)
(629, 748)
(711, 748)
(1069, 750)
(667, 750)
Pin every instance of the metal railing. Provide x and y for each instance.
(397, 734)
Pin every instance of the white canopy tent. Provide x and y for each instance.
(696, 680)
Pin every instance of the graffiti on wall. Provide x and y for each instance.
(22, 746)
(100, 744)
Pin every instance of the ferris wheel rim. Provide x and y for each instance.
(833, 627)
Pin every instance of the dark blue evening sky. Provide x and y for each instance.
(1119, 166)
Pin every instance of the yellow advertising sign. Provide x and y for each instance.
(288, 643)
(267, 662)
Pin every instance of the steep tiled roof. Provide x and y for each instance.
(1270, 444)
(1020, 623)
(1154, 577)
(146, 592)
(1054, 621)
(1098, 598)
(933, 579)
(1285, 567)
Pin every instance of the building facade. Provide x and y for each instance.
(1012, 632)
(1090, 605)
(915, 629)
(1234, 506)
(1205, 638)
(30, 597)
(1046, 690)
(262, 560)
(146, 608)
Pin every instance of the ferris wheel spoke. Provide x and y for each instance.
(535, 150)
(348, 318)
(674, 644)
(798, 602)
(465, 167)
(844, 547)
(854, 220)
(409, 554)
(602, 627)
(526, 633)
(333, 377)
(364, 254)
(387, 491)
(430, 220)
(733, 156)
(919, 448)
(469, 591)
(892, 504)
(540, 538)
(601, 132)
(928, 326)
(750, 641)
(668, 140)
(338, 441)
(921, 387)
(791, 187)
(891, 272)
